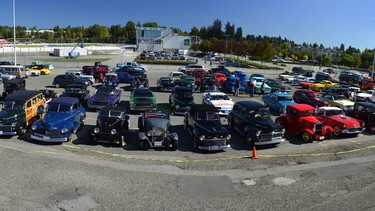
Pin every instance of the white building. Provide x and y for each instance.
(161, 39)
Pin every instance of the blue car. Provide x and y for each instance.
(110, 80)
(241, 75)
(228, 85)
(63, 117)
(278, 101)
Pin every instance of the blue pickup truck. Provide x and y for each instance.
(278, 101)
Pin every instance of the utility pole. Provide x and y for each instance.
(14, 32)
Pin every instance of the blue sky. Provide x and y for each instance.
(327, 22)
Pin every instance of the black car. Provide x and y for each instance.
(276, 85)
(111, 126)
(364, 111)
(181, 99)
(78, 91)
(350, 77)
(308, 97)
(140, 79)
(252, 121)
(204, 125)
(65, 80)
(322, 77)
(165, 84)
(13, 85)
(155, 131)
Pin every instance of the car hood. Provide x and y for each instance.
(364, 95)
(222, 103)
(310, 119)
(10, 114)
(213, 127)
(344, 102)
(266, 125)
(75, 95)
(286, 103)
(101, 98)
(55, 120)
(157, 123)
(349, 121)
(103, 120)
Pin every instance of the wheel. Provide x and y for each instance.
(144, 145)
(42, 73)
(93, 140)
(336, 130)
(372, 129)
(306, 137)
(121, 141)
(249, 139)
(57, 85)
(96, 80)
(22, 130)
(174, 145)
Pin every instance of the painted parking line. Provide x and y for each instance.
(218, 159)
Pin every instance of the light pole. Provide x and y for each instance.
(14, 32)
(226, 44)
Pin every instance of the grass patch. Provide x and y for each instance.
(79, 59)
(249, 64)
(164, 62)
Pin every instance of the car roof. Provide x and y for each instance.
(22, 95)
(65, 100)
(111, 74)
(183, 89)
(250, 104)
(305, 91)
(76, 86)
(109, 108)
(301, 107)
(215, 93)
(366, 104)
(280, 94)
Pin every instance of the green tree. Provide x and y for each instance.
(229, 30)
(98, 33)
(131, 32)
(347, 60)
(150, 24)
(238, 36)
(194, 31)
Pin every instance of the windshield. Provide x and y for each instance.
(259, 114)
(285, 98)
(370, 109)
(208, 116)
(259, 80)
(369, 92)
(110, 113)
(74, 90)
(184, 95)
(143, 93)
(105, 92)
(166, 80)
(8, 105)
(340, 97)
(242, 75)
(190, 79)
(219, 97)
(306, 113)
(56, 107)
(334, 112)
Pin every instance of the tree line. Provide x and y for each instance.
(227, 39)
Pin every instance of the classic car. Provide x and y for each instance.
(126, 68)
(188, 81)
(258, 84)
(80, 75)
(253, 122)
(181, 99)
(364, 96)
(190, 67)
(278, 101)
(364, 111)
(220, 100)
(139, 80)
(165, 84)
(341, 124)
(338, 100)
(219, 77)
(283, 76)
(196, 71)
(319, 87)
(306, 84)
(220, 69)
(175, 76)
(276, 85)
(6, 77)
(64, 80)
(338, 89)
(32, 73)
(78, 91)
(228, 85)
(298, 79)
(111, 80)
(63, 117)
(40, 68)
(299, 119)
(13, 85)
(103, 97)
(48, 94)
(309, 97)
(204, 125)
(19, 111)
(241, 75)
(142, 99)
(112, 123)
(155, 131)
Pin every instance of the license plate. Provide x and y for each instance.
(321, 138)
(214, 147)
(45, 138)
(158, 143)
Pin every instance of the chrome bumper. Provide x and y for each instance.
(214, 148)
(44, 138)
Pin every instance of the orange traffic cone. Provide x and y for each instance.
(255, 156)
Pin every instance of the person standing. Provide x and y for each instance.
(251, 85)
(210, 63)
(262, 88)
(236, 87)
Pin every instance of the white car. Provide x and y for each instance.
(32, 73)
(220, 100)
(6, 77)
(190, 67)
(175, 76)
(364, 96)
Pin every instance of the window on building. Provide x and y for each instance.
(186, 42)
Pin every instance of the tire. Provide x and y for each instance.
(144, 145)
(249, 139)
(57, 85)
(70, 137)
(306, 137)
(42, 73)
(92, 140)
(336, 130)
(174, 145)
(372, 128)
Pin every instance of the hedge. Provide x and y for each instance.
(164, 62)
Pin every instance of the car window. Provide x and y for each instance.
(321, 113)
(259, 114)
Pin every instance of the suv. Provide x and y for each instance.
(64, 80)
(190, 67)
(350, 77)
(299, 119)
(20, 110)
(252, 121)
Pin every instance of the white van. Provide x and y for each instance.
(18, 71)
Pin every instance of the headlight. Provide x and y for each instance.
(258, 133)
(202, 137)
(113, 131)
(228, 137)
(14, 124)
(344, 126)
(33, 127)
(64, 130)
(96, 130)
(177, 106)
(149, 133)
(283, 130)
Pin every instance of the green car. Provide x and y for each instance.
(142, 99)
(338, 89)
(188, 81)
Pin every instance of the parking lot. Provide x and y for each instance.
(186, 152)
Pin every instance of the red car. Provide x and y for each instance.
(305, 84)
(299, 119)
(220, 77)
(308, 97)
(341, 124)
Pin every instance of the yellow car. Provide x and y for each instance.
(318, 87)
(40, 68)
